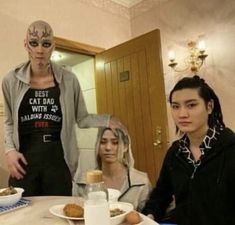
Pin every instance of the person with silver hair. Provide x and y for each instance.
(124, 153)
(114, 157)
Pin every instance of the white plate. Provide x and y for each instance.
(127, 207)
(57, 210)
(10, 200)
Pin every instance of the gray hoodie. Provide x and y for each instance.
(16, 83)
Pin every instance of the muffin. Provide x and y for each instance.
(73, 210)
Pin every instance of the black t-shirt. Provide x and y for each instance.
(40, 112)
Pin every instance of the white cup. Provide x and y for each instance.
(96, 212)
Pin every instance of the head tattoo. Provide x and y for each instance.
(40, 33)
(34, 32)
(46, 33)
(38, 28)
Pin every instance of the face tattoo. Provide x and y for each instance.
(39, 43)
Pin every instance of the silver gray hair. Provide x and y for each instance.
(124, 157)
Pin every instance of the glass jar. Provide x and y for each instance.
(96, 206)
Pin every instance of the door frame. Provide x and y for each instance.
(74, 46)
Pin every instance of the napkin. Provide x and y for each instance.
(21, 203)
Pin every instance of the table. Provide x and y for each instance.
(37, 212)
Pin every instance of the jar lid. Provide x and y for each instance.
(94, 176)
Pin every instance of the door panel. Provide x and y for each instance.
(138, 101)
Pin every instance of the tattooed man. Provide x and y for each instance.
(43, 102)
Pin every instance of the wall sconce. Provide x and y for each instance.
(195, 59)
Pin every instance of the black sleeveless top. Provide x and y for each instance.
(40, 112)
(40, 123)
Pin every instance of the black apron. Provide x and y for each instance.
(40, 122)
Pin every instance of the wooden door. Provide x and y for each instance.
(130, 86)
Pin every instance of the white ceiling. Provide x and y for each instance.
(127, 3)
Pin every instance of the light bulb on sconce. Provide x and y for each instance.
(201, 45)
(171, 55)
(194, 60)
(202, 49)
